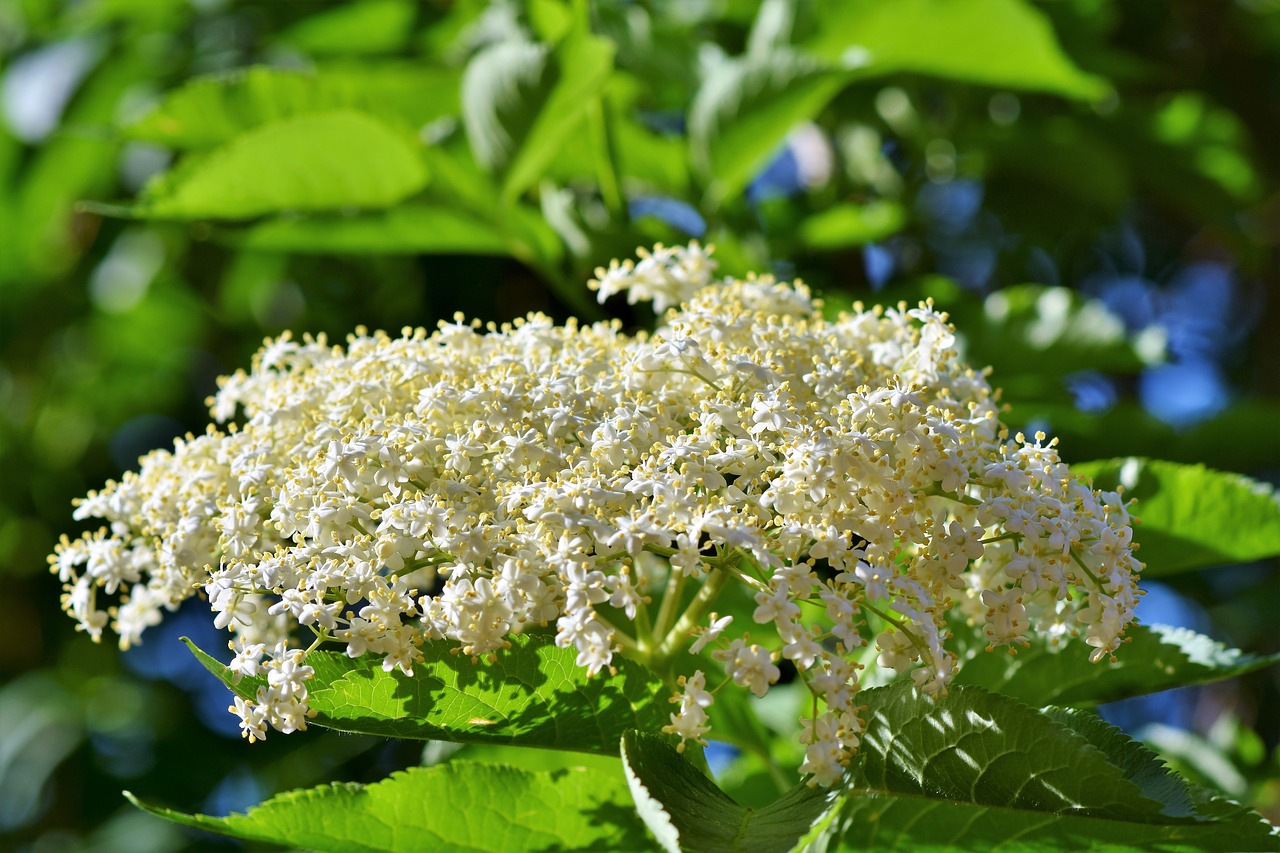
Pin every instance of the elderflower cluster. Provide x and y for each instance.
(849, 474)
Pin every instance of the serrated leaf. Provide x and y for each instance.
(977, 747)
(521, 100)
(1005, 43)
(317, 162)
(875, 824)
(1192, 516)
(533, 694)
(458, 806)
(745, 109)
(687, 811)
(211, 110)
(1155, 658)
(975, 770)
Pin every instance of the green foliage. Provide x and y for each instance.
(337, 144)
(212, 110)
(532, 694)
(686, 811)
(954, 40)
(459, 806)
(278, 168)
(1191, 516)
(972, 770)
(1154, 658)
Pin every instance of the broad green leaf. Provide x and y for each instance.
(404, 229)
(687, 811)
(847, 225)
(521, 101)
(211, 110)
(1005, 43)
(1155, 658)
(365, 28)
(880, 824)
(533, 694)
(1192, 516)
(981, 748)
(745, 109)
(323, 161)
(975, 770)
(457, 806)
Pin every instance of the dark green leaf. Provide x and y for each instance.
(280, 167)
(744, 111)
(1192, 516)
(686, 811)
(211, 110)
(1155, 658)
(974, 770)
(1005, 43)
(533, 694)
(458, 806)
(1241, 438)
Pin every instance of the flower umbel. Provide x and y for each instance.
(470, 484)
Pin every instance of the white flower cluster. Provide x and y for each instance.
(850, 475)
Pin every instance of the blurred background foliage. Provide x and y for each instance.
(1089, 186)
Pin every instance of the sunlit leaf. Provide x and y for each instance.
(458, 806)
(1154, 658)
(211, 110)
(533, 694)
(280, 167)
(1005, 43)
(1192, 516)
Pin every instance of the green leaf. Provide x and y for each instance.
(404, 229)
(1155, 658)
(324, 161)
(522, 100)
(975, 770)
(1004, 43)
(1192, 516)
(981, 748)
(211, 110)
(458, 806)
(533, 694)
(745, 109)
(366, 28)
(686, 811)
(846, 225)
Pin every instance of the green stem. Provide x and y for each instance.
(670, 602)
(692, 615)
